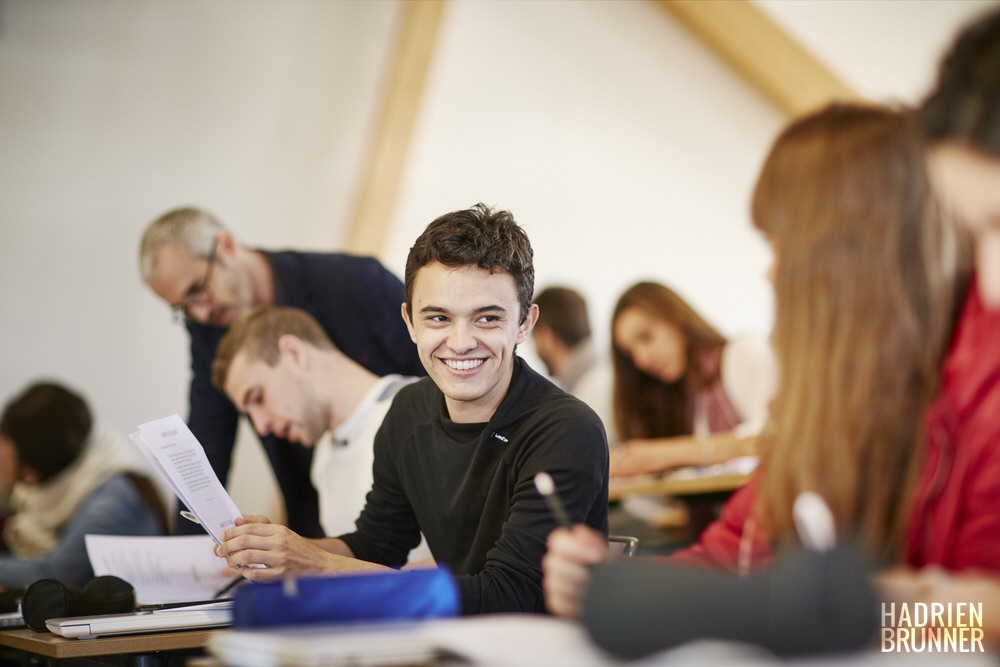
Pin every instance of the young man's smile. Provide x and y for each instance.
(465, 322)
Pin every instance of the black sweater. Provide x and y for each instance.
(470, 487)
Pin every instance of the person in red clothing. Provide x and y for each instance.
(961, 118)
(866, 276)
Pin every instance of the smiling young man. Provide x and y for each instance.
(457, 453)
(209, 279)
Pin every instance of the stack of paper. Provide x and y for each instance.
(161, 569)
(180, 459)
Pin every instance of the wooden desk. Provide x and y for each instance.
(142, 649)
(667, 486)
(702, 497)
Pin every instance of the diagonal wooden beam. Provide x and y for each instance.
(382, 174)
(762, 52)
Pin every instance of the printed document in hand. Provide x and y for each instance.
(180, 459)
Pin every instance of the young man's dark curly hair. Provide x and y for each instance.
(480, 236)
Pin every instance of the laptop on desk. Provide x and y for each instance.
(105, 625)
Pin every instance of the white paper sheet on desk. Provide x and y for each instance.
(741, 465)
(180, 459)
(519, 639)
(492, 640)
(161, 569)
(503, 640)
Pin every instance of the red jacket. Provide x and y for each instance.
(955, 518)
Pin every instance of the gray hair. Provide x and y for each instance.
(188, 227)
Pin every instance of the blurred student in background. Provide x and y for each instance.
(68, 476)
(209, 279)
(866, 279)
(961, 118)
(683, 394)
(563, 342)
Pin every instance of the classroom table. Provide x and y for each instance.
(702, 496)
(672, 486)
(140, 650)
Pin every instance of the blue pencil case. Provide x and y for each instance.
(410, 594)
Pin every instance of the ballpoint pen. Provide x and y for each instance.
(547, 488)
(228, 587)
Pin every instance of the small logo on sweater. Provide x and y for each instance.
(499, 437)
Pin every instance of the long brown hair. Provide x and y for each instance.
(645, 406)
(865, 282)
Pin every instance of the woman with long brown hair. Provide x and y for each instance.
(866, 280)
(683, 394)
(865, 293)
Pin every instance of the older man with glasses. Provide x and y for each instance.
(198, 294)
(209, 280)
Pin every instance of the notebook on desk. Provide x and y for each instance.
(104, 625)
(370, 644)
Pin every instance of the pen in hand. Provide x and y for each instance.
(547, 489)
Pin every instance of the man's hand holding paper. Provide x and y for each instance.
(282, 552)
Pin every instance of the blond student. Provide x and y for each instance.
(209, 279)
(278, 367)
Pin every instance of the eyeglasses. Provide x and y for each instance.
(198, 294)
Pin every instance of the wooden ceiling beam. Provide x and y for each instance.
(736, 30)
(381, 180)
(761, 51)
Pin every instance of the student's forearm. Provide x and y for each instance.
(421, 564)
(667, 453)
(345, 560)
(645, 456)
(693, 451)
(335, 545)
(721, 447)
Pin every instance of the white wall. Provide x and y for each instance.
(112, 112)
(611, 135)
(624, 148)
